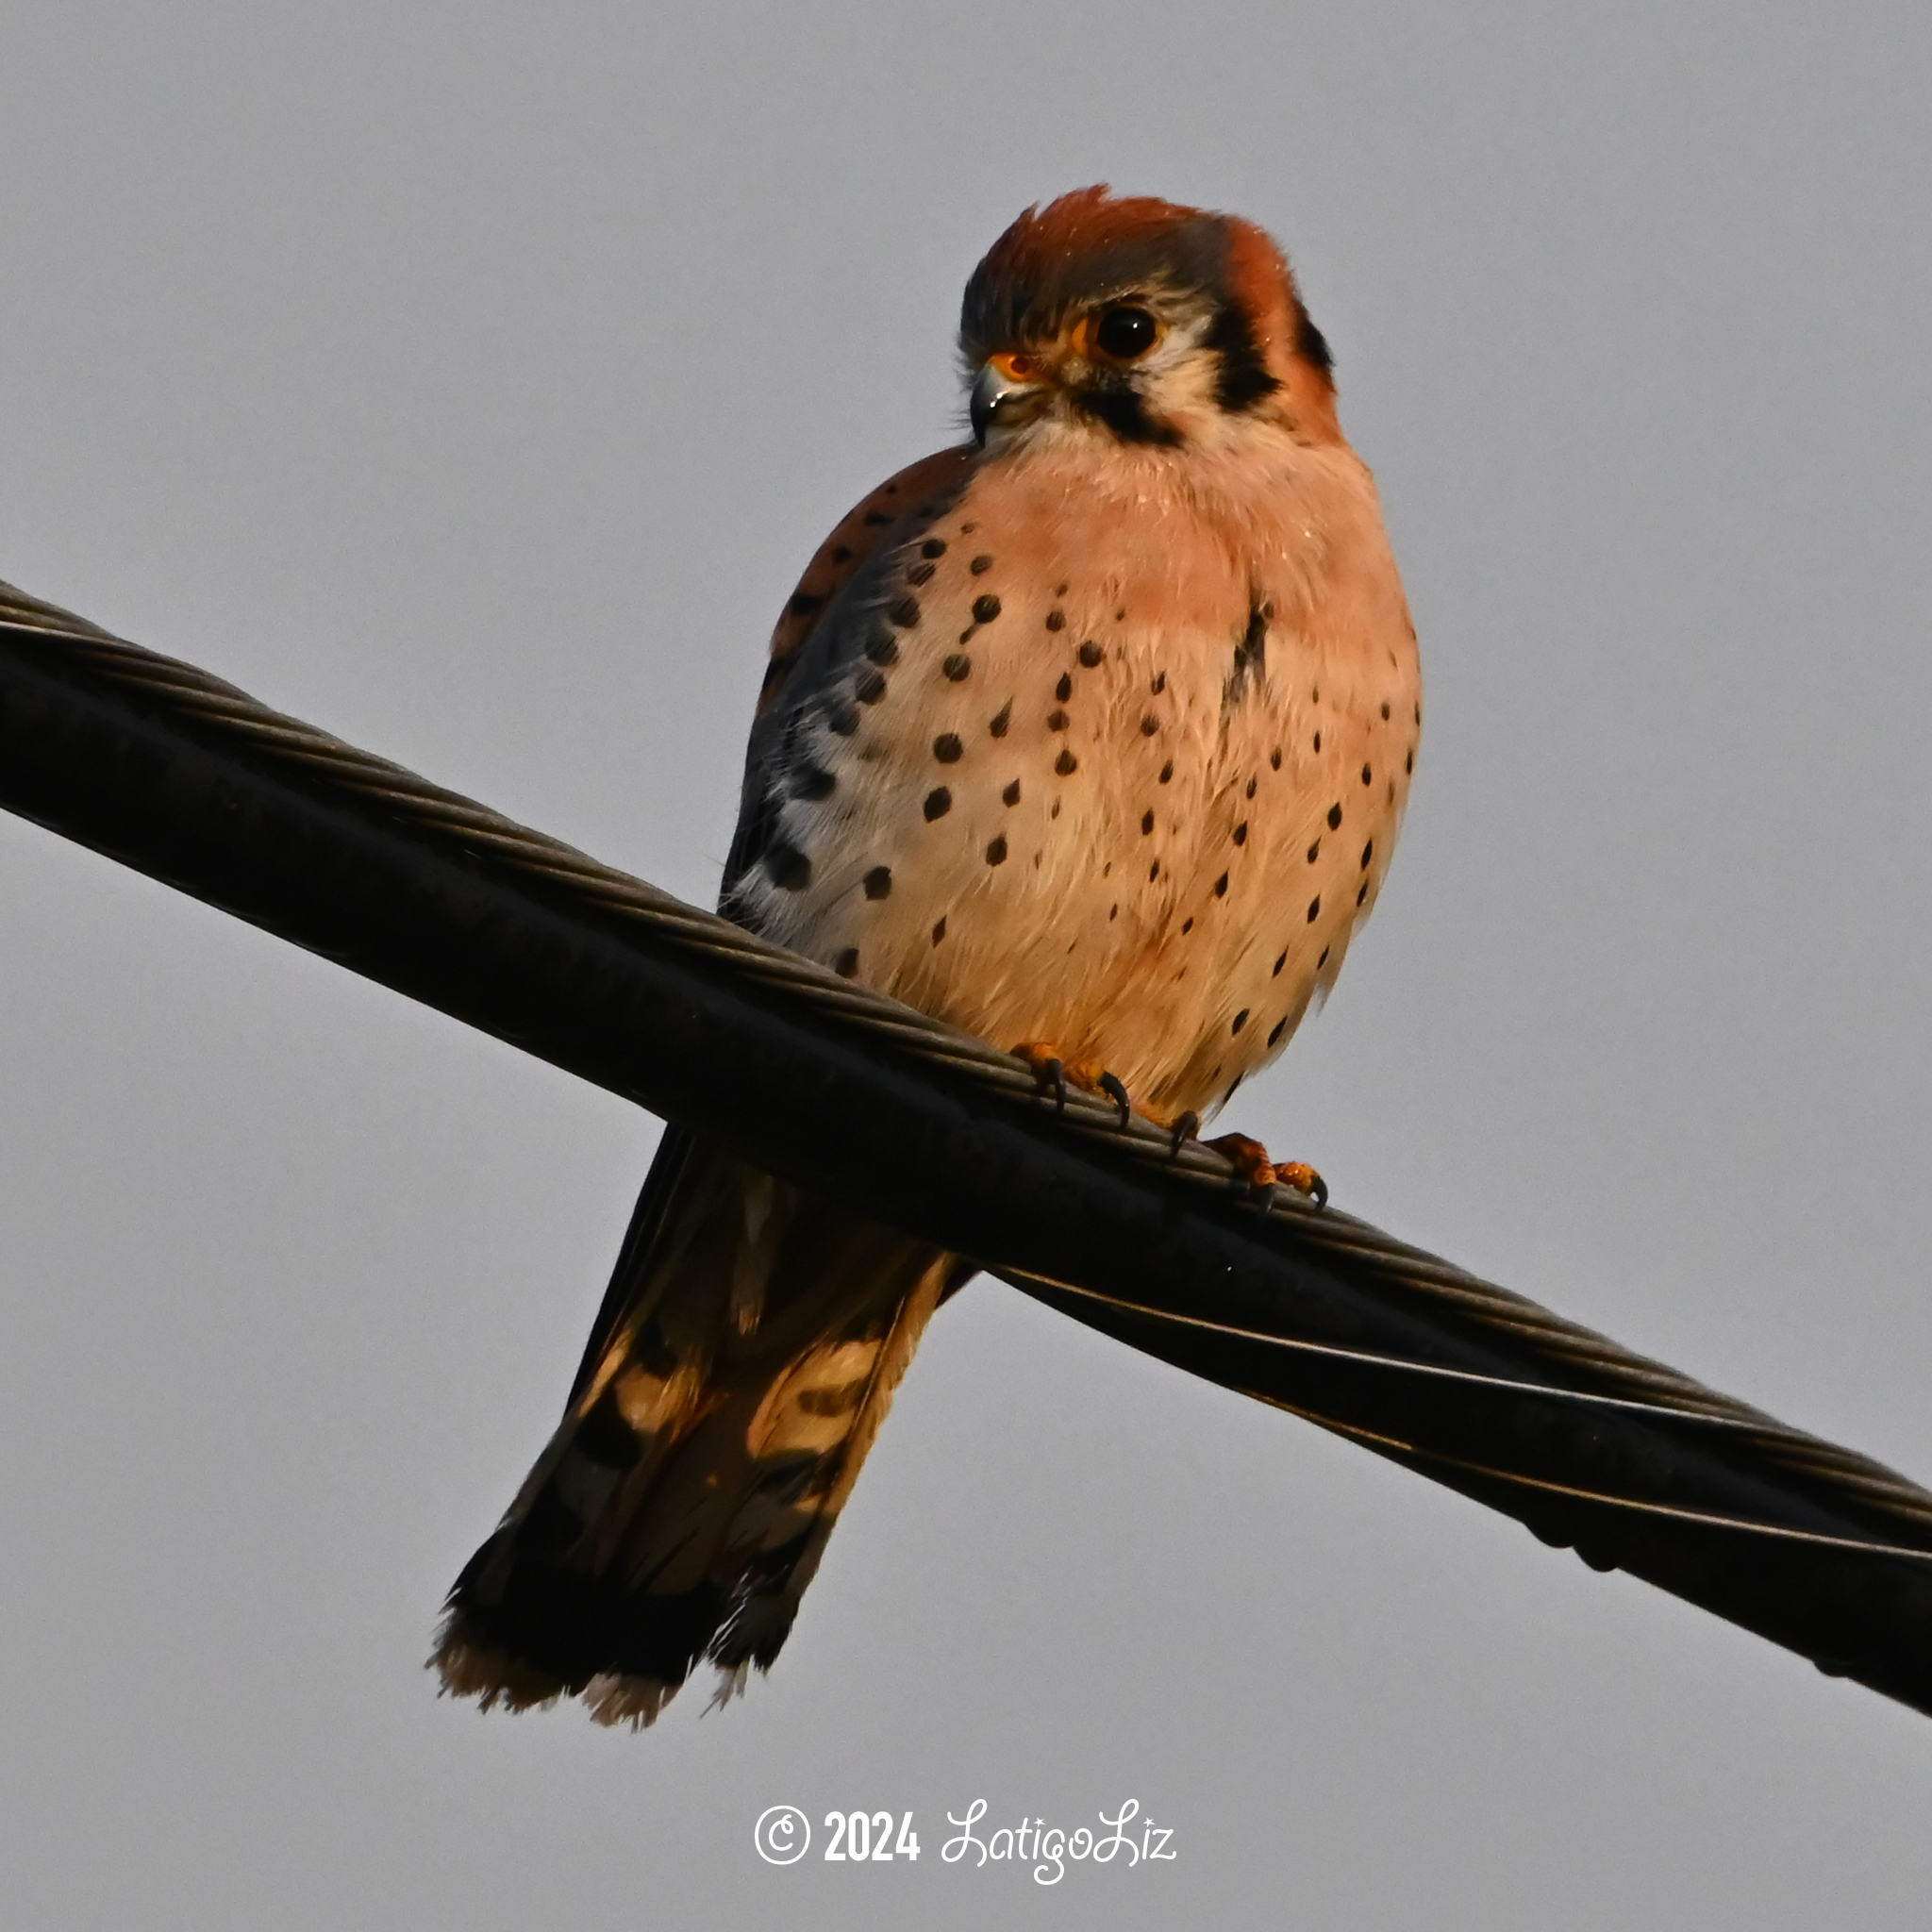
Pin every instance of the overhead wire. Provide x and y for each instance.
(1554, 1361)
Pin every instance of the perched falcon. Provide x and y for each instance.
(1092, 736)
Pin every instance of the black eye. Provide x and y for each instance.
(1126, 333)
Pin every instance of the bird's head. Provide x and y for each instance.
(1143, 321)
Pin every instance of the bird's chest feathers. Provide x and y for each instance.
(1089, 718)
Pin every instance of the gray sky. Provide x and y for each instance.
(473, 381)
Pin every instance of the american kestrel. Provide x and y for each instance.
(1091, 736)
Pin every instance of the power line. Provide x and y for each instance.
(1632, 1463)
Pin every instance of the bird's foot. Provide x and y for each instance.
(1053, 1074)
(1258, 1174)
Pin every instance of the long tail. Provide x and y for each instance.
(745, 1355)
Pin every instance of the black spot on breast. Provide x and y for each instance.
(1240, 1020)
(1334, 817)
(1154, 872)
(811, 781)
(876, 518)
(1064, 688)
(1275, 757)
(1187, 925)
(939, 932)
(1323, 959)
(1221, 887)
(1362, 896)
(1056, 620)
(1314, 909)
(1149, 726)
(1408, 763)
(1146, 823)
(1280, 963)
(878, 882)
(1252, 784)
(1002, 718)
(1113, 911)
(1090, 654)
(919, 573)
(1011, 794)
(1166, 771)
(1368, 853)
(957, 666)
(980, 565)
(947, 748)
(985, 608)
(939, 802)
(904, 611)
(804, 603)
(840, 718)
(1066, 764)
(1314, 851)
(846, 964)
(933, 546)
(787, 867)
(1317, 741)
(996, 852)
(1159, 683)
(1240, 833)
(1384, 710)
(1366, 774)
(869, 687)
(1056, 721)
(1276, 1031)
(882, 647)
(843, 554)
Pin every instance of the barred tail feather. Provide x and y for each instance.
(746, 1356)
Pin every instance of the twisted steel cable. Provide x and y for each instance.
(1550, 1360)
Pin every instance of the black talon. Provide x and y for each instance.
(1184, 1130)
(1111, 1085)
(1054, 1076)
(1321, 1192)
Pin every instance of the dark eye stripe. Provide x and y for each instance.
(1120, 409)
(1243, 379)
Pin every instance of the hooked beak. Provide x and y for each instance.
(1008, 389)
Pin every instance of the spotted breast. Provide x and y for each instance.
(1113, 760)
